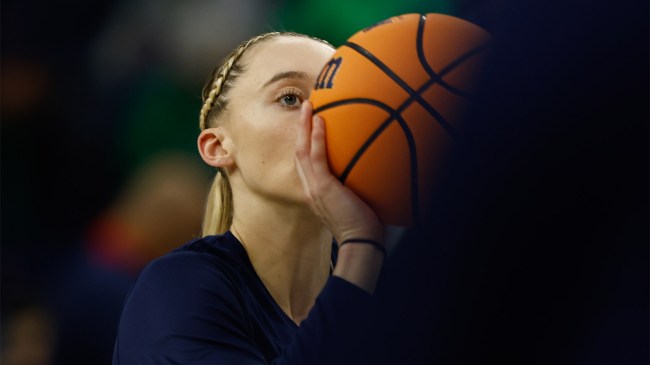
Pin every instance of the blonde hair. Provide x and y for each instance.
(219, 207)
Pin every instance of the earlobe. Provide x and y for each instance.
(212, 144)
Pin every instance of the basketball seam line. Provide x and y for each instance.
(369, 56)
(462, 58)
(393, 115)
(423, 60)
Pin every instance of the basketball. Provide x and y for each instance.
(392, 98)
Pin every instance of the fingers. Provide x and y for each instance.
(303, 149)
(311, 150)
(318, 147)
(303, 137)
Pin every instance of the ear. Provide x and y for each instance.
(213, 146)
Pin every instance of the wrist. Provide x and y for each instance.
(360, 264)
(373, 233)
(377, 245)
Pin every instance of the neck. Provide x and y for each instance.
(289, 248)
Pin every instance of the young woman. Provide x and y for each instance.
(265, 285)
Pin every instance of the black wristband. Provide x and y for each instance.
(361, 240)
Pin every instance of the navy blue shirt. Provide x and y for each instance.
(204, 304)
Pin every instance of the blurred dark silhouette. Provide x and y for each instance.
(536, 248)
(55, 177)
(160, 206)
(92, 93)
(28, 336)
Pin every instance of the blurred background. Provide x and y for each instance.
(538, 249)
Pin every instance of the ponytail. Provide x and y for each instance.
(219, 206)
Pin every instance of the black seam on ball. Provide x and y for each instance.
(393, 115)
(462, 58)
(412, 93)
(382, 66)
(419, 45)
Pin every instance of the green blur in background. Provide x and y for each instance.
(336, 20)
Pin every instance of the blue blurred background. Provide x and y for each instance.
(537, 251)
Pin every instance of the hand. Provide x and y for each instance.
(343, 212)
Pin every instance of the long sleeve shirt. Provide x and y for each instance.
(204, 304)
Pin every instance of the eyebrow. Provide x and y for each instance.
(285, 75)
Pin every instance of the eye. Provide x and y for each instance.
(290, 98)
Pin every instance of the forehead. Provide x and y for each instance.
(285, 53)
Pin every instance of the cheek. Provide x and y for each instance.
(268, 145)
(266, 137)
(280, 145)
(277, 131)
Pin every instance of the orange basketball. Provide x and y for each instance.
(392, 98)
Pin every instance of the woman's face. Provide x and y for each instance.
(264, 111)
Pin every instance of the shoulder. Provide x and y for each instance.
(202, 273)
(173, 292)
(212, 255)
(214, 260)
(183, 300)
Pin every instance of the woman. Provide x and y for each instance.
(261, 286)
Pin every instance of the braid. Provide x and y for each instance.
(222, 76)
(213, 90)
